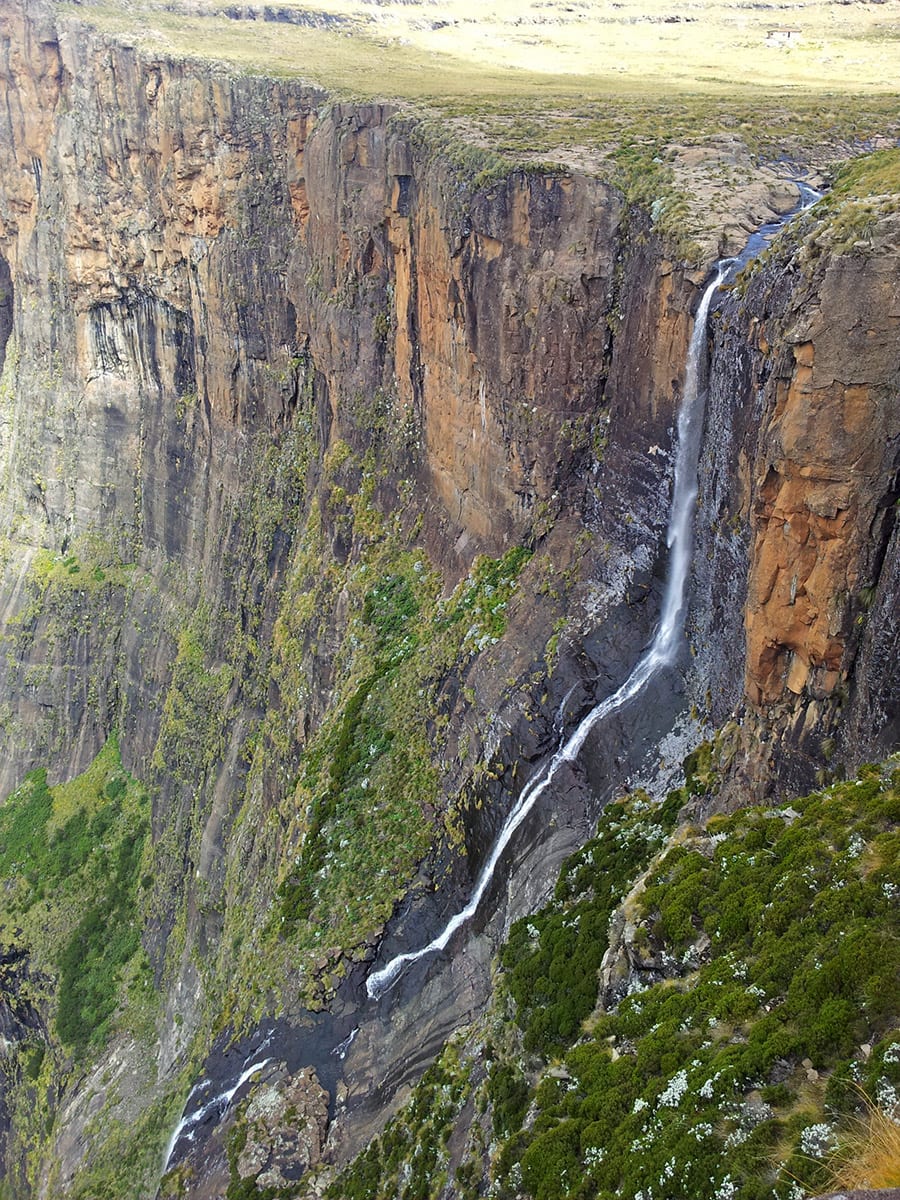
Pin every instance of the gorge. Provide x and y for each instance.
(347, 520)
(663, 651)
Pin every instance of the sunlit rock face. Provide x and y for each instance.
(798, 500)
(186, 275)
(825, 470)
(212, 301)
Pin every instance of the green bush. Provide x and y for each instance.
(409, 1160)
(551, 959)
(508, 1092)
(70, 860)
(694, 1086)
(803, 964)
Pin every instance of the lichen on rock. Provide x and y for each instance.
(284, 1125)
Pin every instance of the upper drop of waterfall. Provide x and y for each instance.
(662, 651)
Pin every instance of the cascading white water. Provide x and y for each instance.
(340, 1050)
(219, 1102)
(662, 652)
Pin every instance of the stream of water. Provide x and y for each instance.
(210, 1100)
(192, 1117)
(662, 652)
(667, 642)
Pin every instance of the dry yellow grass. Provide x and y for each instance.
(869, 1154)
(624, 89)
(427, 49)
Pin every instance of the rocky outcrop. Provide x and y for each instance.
(285, 1125)
(269, 1141)
(825, 473)
(798, 493)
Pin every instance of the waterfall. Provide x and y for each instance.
(342, 1047)
(662, 652)
(219, 1104)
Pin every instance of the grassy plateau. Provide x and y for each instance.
(564, 64)
(685, 106)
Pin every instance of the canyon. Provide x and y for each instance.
(337, 465)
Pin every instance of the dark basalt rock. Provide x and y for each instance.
(235, 274)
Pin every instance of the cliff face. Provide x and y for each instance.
(259, 346)
(799, 502)
(825, 476)
(276, 372)
(184, 275)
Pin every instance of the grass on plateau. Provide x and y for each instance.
(528, 48)
(617, 90)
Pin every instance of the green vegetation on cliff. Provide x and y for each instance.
(369, 774)
(74, 885)
(864, 190)
(552, 958)
(365, 802)
(776, 931)
(70, 862)
(322, 674)
(752, 999)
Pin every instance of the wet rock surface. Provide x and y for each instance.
(24, 1041)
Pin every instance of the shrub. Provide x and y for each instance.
(551, 959)
(508, 1092)
(803, 963)
(71, 855)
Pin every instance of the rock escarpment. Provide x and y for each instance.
(190, 276)
(276, 371)
(260, 346)
(799, 499)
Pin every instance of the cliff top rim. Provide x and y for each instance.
(671, 99)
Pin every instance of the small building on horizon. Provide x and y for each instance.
(782, 35)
